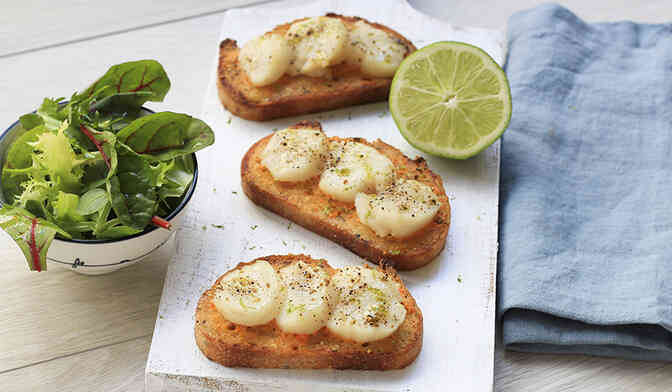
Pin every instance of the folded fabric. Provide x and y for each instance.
(585, 260)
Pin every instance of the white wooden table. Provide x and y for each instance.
(60, 331)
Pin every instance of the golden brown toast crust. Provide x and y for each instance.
(294, 95)
(266, 346)
(304, 204)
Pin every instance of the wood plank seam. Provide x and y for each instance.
(120, 31)
(74, 354)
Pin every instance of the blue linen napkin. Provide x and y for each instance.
(585, 260)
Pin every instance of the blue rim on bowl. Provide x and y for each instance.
(185, 199)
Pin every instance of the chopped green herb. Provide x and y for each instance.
(380, 296)
(217, 226)
(204, 227)
(234, 192)
(395, 252)
(229, 120)
(252, 247)
(459, 278)
(343, 171)
(246, 307)
(254, 227)
(291, 308)
(284, 242)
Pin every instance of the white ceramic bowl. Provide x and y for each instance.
(95, 257)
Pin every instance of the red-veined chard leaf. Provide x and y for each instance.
(134, 83)
(131, 192)
(33, 235)
(105, 143)
(166, 135)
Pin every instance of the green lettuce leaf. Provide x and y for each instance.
(118, 231)
(30, 121)
(19, 156)
(131, 192)
(92, 202)
(178, 177)
(51, 113)
(66, 213)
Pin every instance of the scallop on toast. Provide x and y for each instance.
(309, 65)
(366, 196)
(292, 311)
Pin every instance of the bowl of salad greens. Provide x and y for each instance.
(97, 182)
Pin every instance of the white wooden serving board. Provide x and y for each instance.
(456, 292)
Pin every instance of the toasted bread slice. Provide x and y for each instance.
(295, 95)
(266, 346)
(305, 204)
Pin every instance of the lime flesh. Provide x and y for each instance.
(450, 99)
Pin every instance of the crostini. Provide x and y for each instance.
(292, 311)
(367, 196)
(309, 65)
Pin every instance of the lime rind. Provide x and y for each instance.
(473, 126)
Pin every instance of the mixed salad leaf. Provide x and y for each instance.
(97, 166)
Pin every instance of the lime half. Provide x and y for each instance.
(450, 99)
